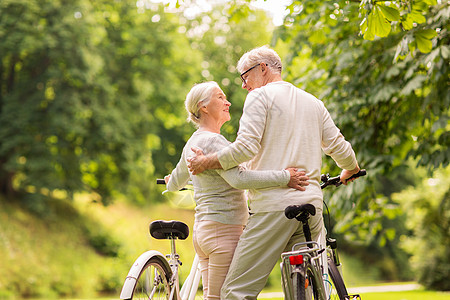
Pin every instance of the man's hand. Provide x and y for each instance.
(198, 163)
(298, 179)
(345, 174)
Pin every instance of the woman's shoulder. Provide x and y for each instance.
(208, 142)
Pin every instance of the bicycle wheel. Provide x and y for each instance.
(338, 290)
(153, 282)
(308, 285)
(299, 286)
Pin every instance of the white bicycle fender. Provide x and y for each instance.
(136, 269)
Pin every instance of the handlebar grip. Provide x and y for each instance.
(359, 174)
(160, 181)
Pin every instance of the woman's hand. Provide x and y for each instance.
(298, 179)
(201, 162)
(197, 163)
(166, 179)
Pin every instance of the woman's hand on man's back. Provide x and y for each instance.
(298, 179)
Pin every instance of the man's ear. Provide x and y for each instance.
(264, 68)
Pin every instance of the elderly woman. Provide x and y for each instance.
(221, 209)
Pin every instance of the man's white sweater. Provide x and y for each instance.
(283, 126)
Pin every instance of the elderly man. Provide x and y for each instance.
(281, 126)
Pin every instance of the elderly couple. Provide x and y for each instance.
(281, 134)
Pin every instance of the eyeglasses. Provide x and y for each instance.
(242, 75)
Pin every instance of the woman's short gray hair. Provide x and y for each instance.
(199, 93)
(260, 55)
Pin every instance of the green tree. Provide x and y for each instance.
(84, 91)
(427, 209)
(49, 72)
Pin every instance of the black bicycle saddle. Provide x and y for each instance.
(169, 229)
(293, 211)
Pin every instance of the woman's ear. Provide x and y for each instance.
(203, 109)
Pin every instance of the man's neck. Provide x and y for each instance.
(274, 78)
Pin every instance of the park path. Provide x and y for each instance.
(359, 290)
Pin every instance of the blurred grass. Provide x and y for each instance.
(409, 295)
(358, 273)
(54, 255)
(45, 256)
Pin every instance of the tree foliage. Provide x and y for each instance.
(375, 18)
(85, 87)
(427, 208)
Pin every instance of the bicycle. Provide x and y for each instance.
(302, 269)
(154, 276)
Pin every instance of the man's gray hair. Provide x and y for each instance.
(199, 93)
(260, 55)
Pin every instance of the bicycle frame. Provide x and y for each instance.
(174, 265)
(190, 285)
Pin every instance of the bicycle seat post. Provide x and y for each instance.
(306, 230)
(173, 249)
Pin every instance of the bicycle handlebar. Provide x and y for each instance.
(336, 181)
(162, 181)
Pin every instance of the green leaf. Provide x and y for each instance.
(423, 40)
(427, 33)
(424, 45)
(378, 23)
(407, 22)
(368, 35)
(390, 13)
(417, 17)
